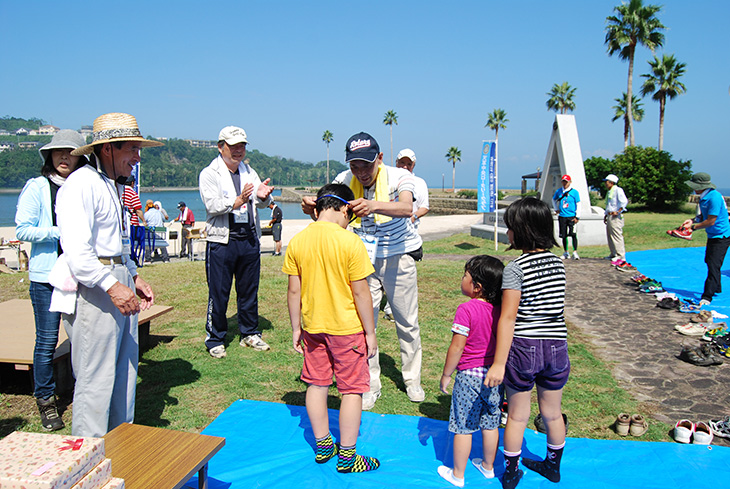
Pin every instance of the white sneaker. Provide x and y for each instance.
(705, 302)
(477, 462)
(575, 256)
(218, 351)
(565, 256)
(415, 393)
(448, 474)
(368, 400)
(702, 434)
(255, 342)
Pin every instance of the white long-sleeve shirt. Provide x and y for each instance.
(616, 200)
(90, 218)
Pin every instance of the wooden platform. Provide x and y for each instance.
(156, 458)
(17, 327)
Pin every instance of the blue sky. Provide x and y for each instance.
(286, 71)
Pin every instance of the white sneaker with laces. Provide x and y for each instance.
(255, 342)
(415, 393)
(575, 256)
(368, 400)
(218, 351)
(704, 302)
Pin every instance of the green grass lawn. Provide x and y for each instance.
(181, 387)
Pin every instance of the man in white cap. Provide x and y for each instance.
(406, 159)
(231, 191)
(95, 236)
(383, 205)
(616, 203)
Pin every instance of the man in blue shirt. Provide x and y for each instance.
(565, 203)
(713, 218)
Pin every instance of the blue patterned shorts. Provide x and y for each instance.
(474, 406)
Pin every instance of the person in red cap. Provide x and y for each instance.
(565, 203)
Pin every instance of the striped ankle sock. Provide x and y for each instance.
(349, 461)
(326, 449)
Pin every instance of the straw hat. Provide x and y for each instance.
(112, 127)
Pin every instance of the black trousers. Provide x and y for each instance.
(714, 257)
(240, 259)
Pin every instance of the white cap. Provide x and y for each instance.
(406, 153)
(611, 178)
(232, 135)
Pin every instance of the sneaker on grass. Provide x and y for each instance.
(368, 400)
(218, 351)
(255, 342)
(50, 419)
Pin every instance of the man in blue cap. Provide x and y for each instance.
(383, 205)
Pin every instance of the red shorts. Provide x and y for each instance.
(343, 356)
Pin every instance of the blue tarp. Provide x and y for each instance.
(682, 271)
(271, 445)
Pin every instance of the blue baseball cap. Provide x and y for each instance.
(361, 146)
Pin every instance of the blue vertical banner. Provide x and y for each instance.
(487, 190)
(135, 174)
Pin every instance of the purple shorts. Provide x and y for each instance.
(541, 362)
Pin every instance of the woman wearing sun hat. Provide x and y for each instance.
(713, 218)
(35, 222)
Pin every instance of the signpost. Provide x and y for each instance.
(487, 189)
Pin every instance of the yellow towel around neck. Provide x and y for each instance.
(382, 193)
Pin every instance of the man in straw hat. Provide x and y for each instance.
(231, 191)
(713, 218)
(95, 239)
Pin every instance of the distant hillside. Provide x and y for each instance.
(177, 164)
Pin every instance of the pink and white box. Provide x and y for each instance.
(46, 461)
(99, 475)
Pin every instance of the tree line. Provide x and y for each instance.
(177, 164)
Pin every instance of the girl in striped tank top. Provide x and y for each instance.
(532, 338)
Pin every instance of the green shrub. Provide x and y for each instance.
(467, 194)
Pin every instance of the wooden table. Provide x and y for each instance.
(156, 458)
(17, 328)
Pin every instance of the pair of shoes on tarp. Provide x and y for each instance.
(540, 423)
(703, 356)
(668, 303)
(634, 425)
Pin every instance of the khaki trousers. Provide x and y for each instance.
(397, 275)
(615, 236)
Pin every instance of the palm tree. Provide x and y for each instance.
(391, 118)
(663, 82)
(633, 24)
(561, 98)
(453, 155)
(497, 120)
(327, 137)
(620, 112)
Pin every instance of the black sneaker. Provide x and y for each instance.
(540, 423)
(50, 419)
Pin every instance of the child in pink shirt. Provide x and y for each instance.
(474, 406)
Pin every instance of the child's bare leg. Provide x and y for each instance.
(550, 401)
(462, 449)
(316, 402)
(514, 432)
(490, 442)
(350, 414)
(519, 414)
(317, 411)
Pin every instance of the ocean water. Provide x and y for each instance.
(169, 200)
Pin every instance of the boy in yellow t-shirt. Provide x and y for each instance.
(331, 314)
